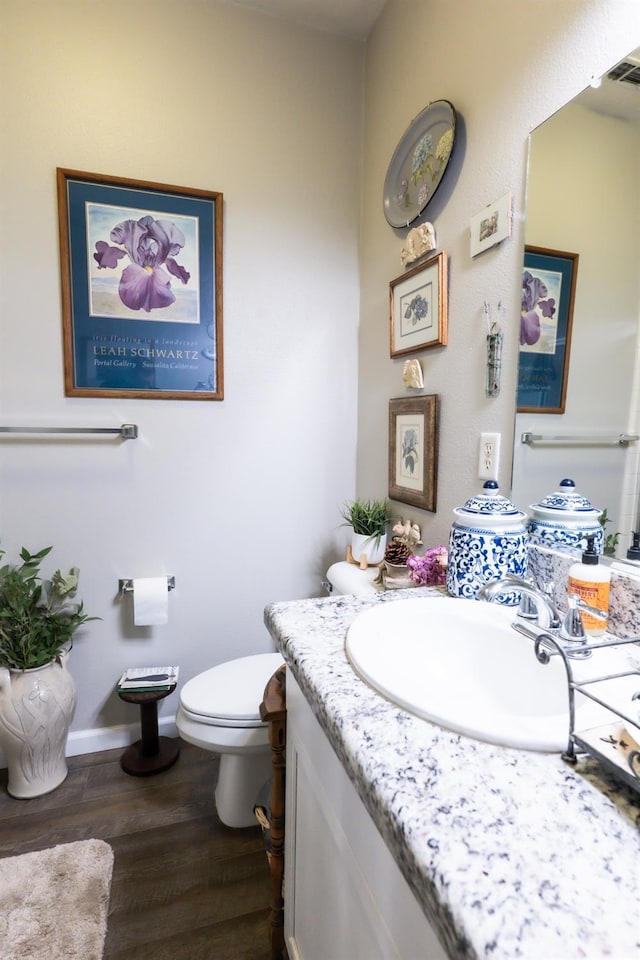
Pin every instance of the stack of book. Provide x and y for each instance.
(139, 679)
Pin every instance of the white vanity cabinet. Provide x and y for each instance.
(345, 897)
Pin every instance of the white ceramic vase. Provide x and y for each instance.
(36, 710)
(371, 547)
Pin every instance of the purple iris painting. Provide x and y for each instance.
(151, 247)
(534, 298)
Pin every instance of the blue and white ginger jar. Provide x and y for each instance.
(488, 539)
(563, 519)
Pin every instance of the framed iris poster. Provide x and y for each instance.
(141, 267)
(548, 293)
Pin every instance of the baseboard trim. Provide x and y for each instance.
(108, 738)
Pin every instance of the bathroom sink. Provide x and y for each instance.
(459, 663)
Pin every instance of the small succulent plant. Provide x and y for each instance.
(368, 518)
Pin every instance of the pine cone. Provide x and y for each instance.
(397, 553)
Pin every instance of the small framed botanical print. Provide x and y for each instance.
(418, 307)
(413, 450)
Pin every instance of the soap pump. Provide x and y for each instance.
(633, 553)
(591, 583)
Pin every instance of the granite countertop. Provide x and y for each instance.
(511, 853)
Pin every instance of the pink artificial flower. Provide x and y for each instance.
(431, 569)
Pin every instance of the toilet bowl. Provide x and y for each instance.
(219, 711)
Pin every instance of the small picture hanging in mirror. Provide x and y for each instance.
(492, 225)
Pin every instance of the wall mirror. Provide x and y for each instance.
(583, 197)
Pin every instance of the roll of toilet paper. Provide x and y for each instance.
(150, 601)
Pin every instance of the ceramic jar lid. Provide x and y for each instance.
(566, 503)
(489, 508)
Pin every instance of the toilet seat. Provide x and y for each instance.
(230, 694)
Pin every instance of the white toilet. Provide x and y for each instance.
(219, 711)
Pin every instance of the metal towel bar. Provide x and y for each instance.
(621, 439)
(128, 431)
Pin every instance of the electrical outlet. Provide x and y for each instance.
(489, 459)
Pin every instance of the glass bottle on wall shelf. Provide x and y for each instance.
(494, 353)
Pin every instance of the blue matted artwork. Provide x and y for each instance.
(141, 288)
(548, 293)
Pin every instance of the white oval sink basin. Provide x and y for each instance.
(459, 663)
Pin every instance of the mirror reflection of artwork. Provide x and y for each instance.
(548, 293)
(541, 292)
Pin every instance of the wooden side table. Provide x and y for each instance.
(151, 754)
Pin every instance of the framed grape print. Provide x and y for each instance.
(418, 307)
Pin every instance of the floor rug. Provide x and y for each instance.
(54, 902)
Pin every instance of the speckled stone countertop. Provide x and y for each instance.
(511, 853)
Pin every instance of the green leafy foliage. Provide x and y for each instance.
(38, 618)
(367, 517)
(610, 539)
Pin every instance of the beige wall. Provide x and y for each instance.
(239, 500)
(506, 65)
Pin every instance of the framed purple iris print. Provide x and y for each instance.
(418, 307)
(141, 268)
(546, 320)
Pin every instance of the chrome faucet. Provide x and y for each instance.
(535, 604)
(537, 607)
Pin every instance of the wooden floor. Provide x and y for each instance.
(184, 887)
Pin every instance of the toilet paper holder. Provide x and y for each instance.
(126, 585)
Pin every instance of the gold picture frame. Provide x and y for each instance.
(418, 307)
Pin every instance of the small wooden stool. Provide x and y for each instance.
(152, 754)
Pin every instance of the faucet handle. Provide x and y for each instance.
(583, 605)
(528, 608)
(572, 626)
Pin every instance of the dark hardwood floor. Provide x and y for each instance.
(185, 887)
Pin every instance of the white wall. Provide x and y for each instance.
(580, 201)
(506, 65)
(240, 499)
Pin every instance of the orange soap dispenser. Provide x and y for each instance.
(591, 582)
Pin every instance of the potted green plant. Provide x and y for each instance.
(38, 619)
(368, 520)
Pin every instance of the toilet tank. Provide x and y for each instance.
(347, 578)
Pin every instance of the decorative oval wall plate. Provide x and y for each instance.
(418, 163)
